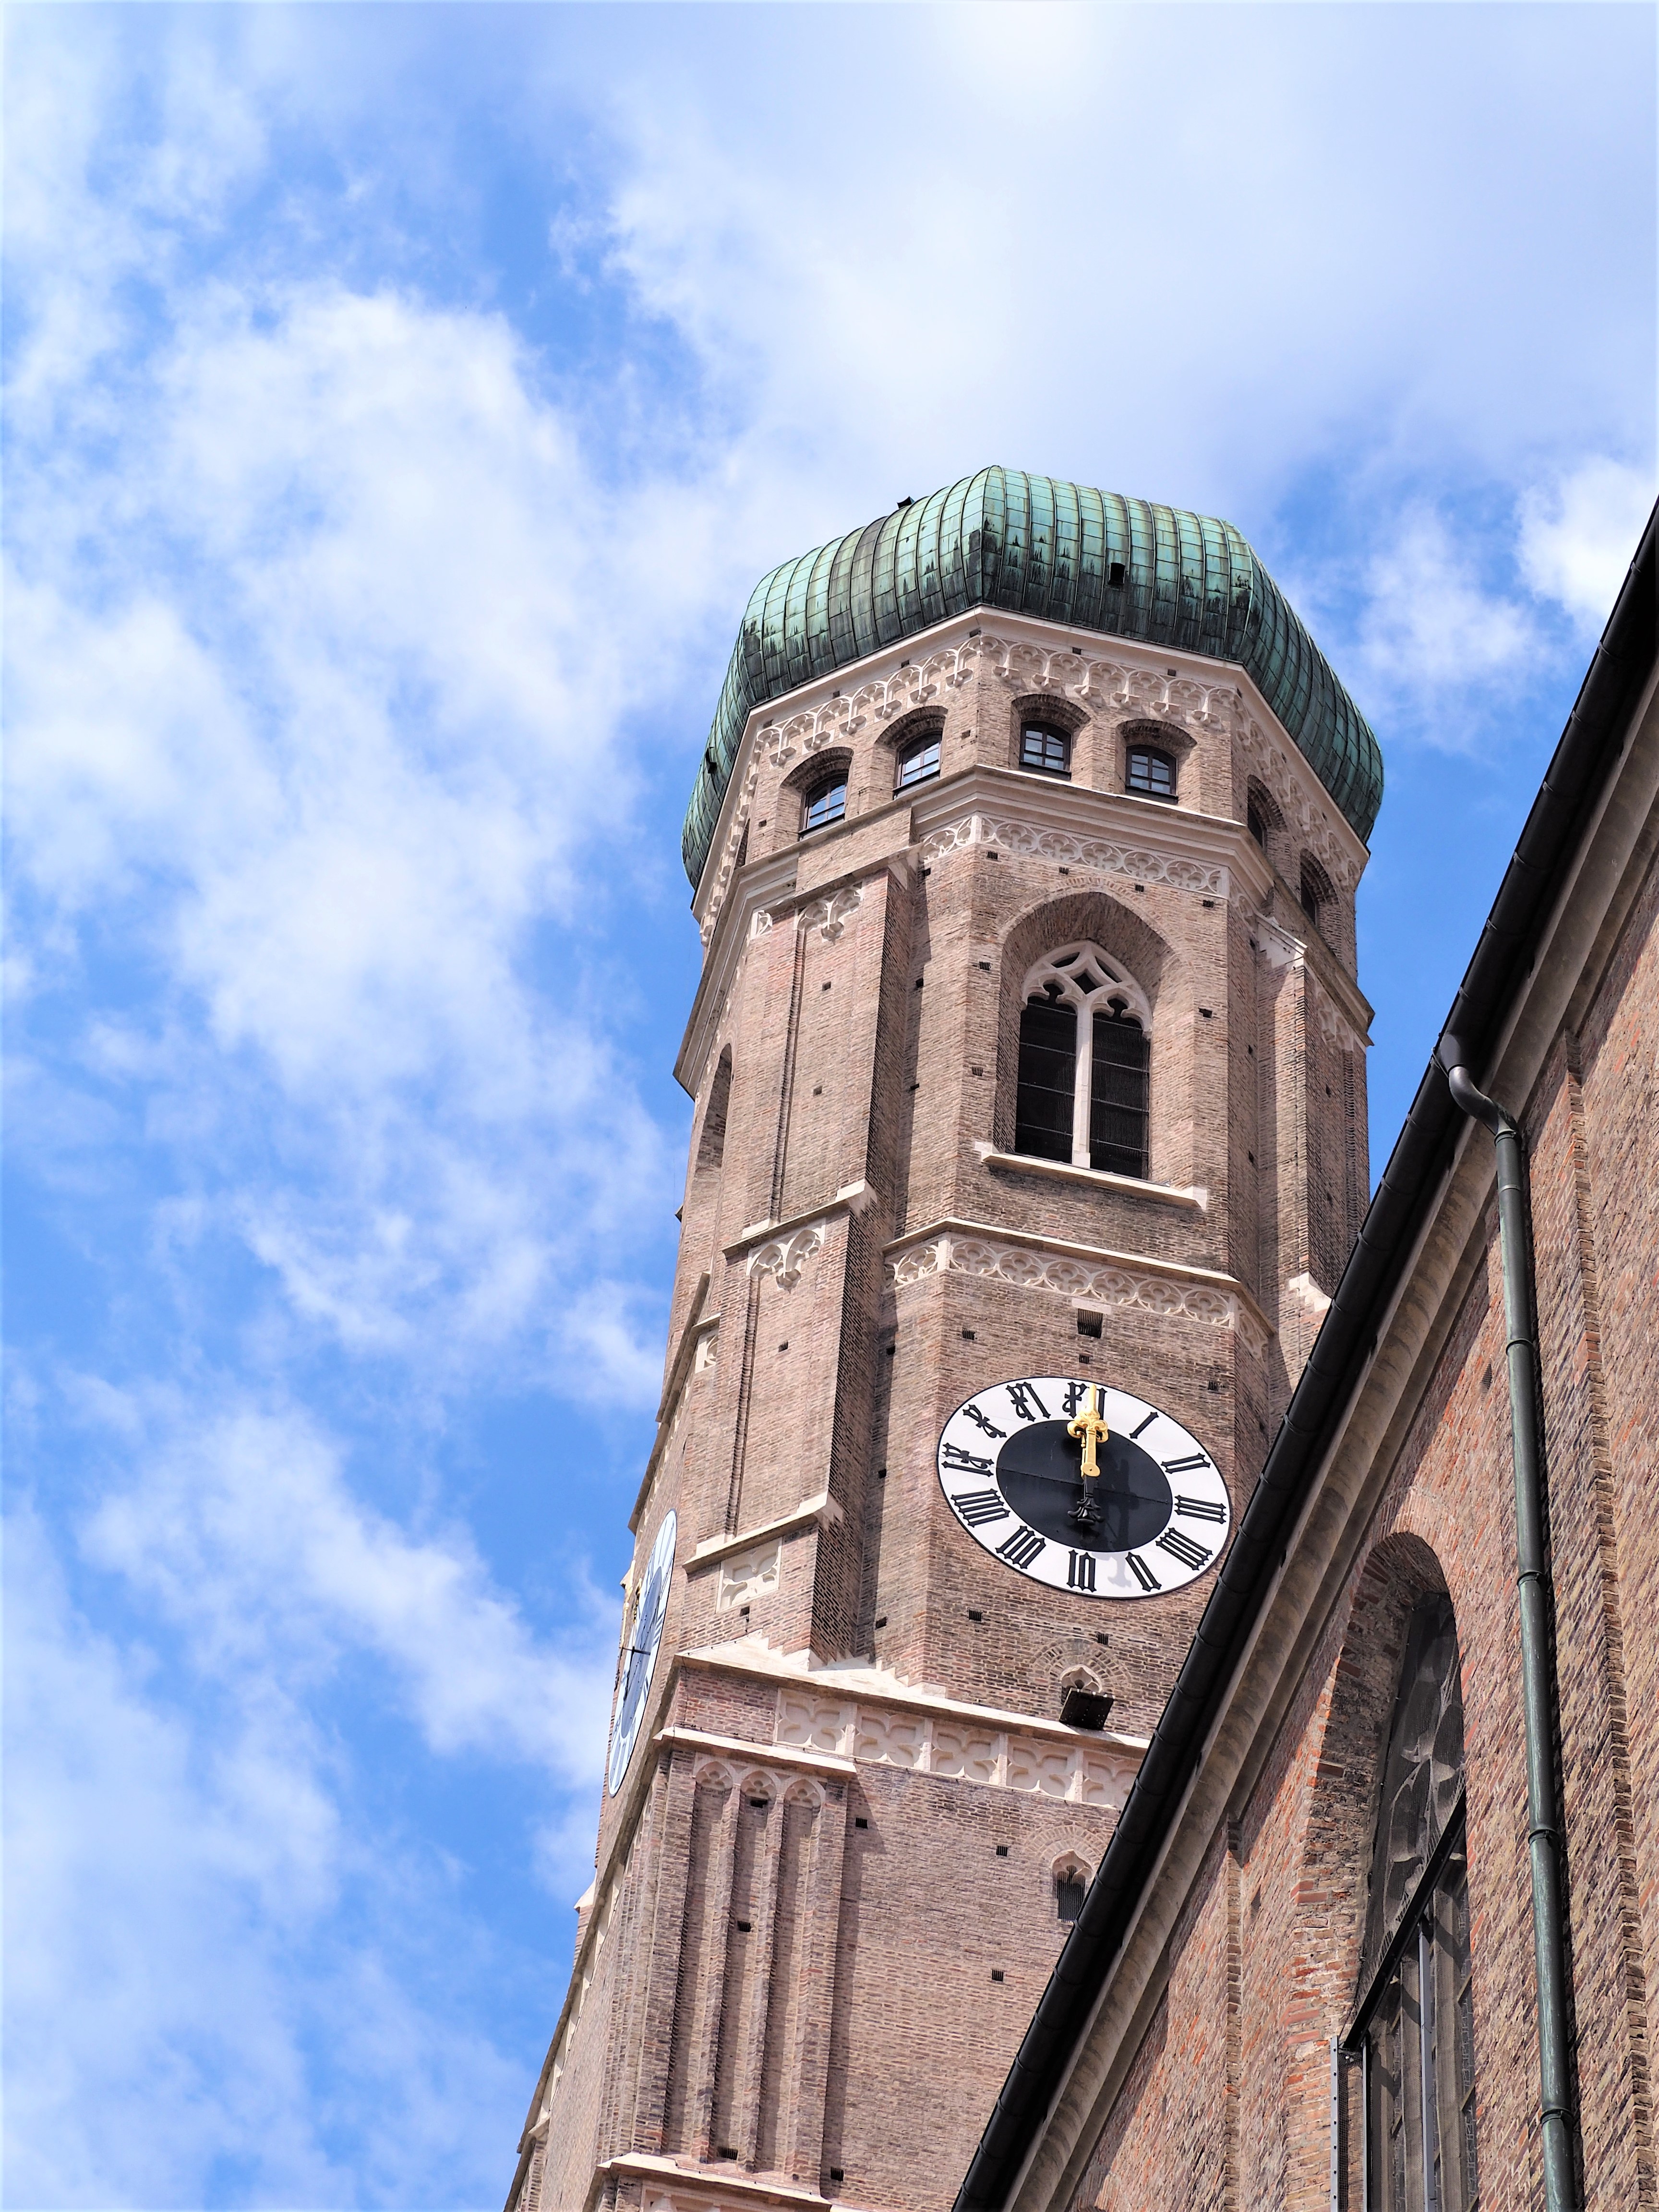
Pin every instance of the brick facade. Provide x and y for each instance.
(825, 1901)
(1242, 1962)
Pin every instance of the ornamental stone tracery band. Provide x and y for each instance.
(784, 1257)
(1139, 863)
(1037, 1270)
(1121, 686)
(997, 1758)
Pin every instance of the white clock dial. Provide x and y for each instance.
(642, 1635)
(1084, 1486)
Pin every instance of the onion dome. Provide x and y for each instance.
(1090, 560)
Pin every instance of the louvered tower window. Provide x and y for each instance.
(1084, 1055)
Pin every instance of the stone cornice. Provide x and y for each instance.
(811, 1509)
(1104, 832)
(863, 1683)
(743, 1751)
(1083, 1271)
(1196, 1199)
(1162, 681)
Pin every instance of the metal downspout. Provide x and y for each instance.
(1543, 1829)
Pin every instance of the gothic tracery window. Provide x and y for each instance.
(1084, 1054)
(1414, 2027)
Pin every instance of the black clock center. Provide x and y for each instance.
(1039, 1473)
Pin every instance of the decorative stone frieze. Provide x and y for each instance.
(749, 1575)
(1138, 862)
(829, 916)
(1032, 1267)
(1119, 684)
(783, 1257)
(995, 1759)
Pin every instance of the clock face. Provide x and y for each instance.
(644, 1634)
(1084, 1486)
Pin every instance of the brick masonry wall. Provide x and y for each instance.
(853, 2034)
(1445, 1519)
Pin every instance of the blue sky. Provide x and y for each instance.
(400, 404)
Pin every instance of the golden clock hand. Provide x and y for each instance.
(1093, 1431)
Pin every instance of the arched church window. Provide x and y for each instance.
(1414, 2027)
(918, 762)
(1262, 814)
(1045, 748)
(1152, 773)
(825, 802)
(1084, 1055)
(1314, 892)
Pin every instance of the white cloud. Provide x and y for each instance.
(240, 1530)
(218, 1960)
(1430, 627)
(1577, 537)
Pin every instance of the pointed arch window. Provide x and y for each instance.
(1414, 2029)
(1084, 1048)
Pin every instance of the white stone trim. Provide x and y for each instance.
(1197, 1198)
(820, 1508)
(1075, 1772)
(1202, 694)
(1080, 1272)
(783, 1257)
(752, 1758)
(1141, 864)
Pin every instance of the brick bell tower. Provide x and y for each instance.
(1029, 1139)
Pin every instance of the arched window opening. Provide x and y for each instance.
(1262, 814)
(1151, 772)
(711, 1144)
(918, 760)
(1071, 1886)
(1314, 892)
(1046, 748)
(824, 802)
(1415, 2024)
(1084, 1055)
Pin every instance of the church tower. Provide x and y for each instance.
(1028, 1058)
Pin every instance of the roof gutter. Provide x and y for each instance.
(1588, 750)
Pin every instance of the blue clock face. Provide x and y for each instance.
(643, 1634)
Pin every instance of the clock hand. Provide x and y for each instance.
(1090, 1428)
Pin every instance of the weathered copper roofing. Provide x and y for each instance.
(1031, 545)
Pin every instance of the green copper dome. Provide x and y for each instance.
(1033, 546)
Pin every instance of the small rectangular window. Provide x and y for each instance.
(1046, 749)
(919, 763)
(1151, 773)
(827, 804)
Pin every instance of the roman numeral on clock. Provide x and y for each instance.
(1023, 1397)
(1185, 1466)
(1022, 1547)
(1200, 1509)
(979, 1505)
(1142, 1573)
(965, 1462)
(1081, 1574)
(1145, 1426)
(1179, 1546)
